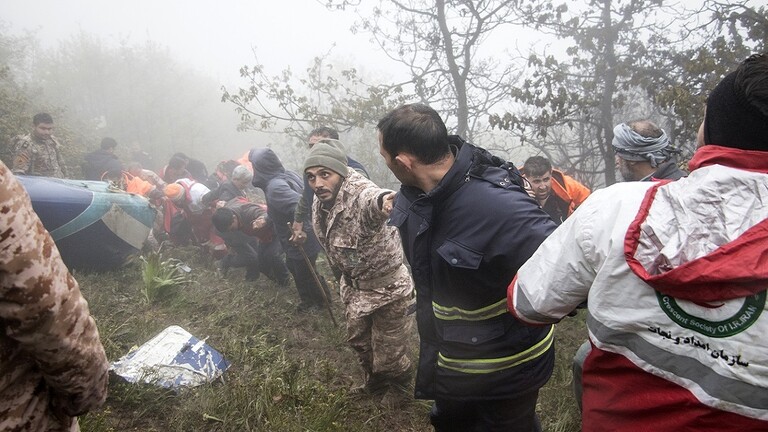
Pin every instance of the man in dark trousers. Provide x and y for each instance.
(467, 225)
(283, 189)
(250, 240)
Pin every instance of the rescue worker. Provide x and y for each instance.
(557, 193)
(304, 207)
(467, 225)
(250, 240)
(282, 189)
(675, 274)
(187, 217)
(643, 152)
(375, 284)
(102, 161)
(235, 187)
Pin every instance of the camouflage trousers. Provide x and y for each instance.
(380, 340)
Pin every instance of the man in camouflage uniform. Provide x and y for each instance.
(39, 153)
(376, 286)
(53, 364)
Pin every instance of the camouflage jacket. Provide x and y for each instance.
(359, 244)
(33, 156)
(52, 364)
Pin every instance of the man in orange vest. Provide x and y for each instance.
(557, 193)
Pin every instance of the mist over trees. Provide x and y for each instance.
(136, 93)
(519, 77)
(603, 62)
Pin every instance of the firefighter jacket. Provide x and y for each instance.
(675, 274)
(465, 240)
(52, 364)
(360, 245)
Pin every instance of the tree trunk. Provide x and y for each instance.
(606, 102)
(459, 78)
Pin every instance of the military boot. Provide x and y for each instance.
(375, 384)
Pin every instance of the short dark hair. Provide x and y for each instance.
(177, 162)
(416, 129)
(42, 118)
(108, 143)
(737, 108)
(325, 132)
(180, 155)
(222, 218)
(536, 166)
(751, 79)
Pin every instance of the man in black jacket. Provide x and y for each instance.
(102, 161)
(283, 189)
(467, 225)
(250, 240)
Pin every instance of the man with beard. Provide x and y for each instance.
(304, 207)
(643, 152)
(376, 286)
(39, 152)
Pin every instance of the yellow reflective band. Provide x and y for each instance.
(482, 366)
(454, 313)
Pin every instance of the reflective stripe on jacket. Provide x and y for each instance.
(465, 241)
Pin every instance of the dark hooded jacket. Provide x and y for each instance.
(224, 192)
(99, 162)
(283, 189)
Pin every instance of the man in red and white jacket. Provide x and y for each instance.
(675, 274)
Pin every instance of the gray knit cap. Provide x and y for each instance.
(328, 153)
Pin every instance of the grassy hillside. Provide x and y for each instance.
(290, 371)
